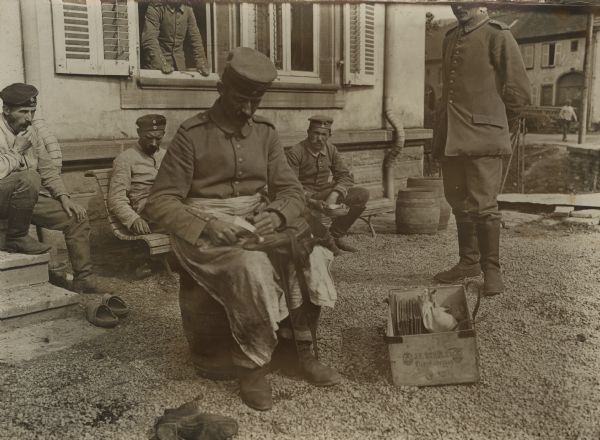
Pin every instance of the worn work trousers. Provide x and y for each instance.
(356, 200)
(19, 190)
(49, 213)
(471, 185)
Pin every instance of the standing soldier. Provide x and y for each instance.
(484, 87)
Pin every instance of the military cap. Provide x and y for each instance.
(19, 94)
(249, 72)
(151, 122)
(321, 121)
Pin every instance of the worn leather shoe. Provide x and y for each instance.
(25, 245)
(255, 390)
(343, 244)
(314, 371)
(458, 273)
(90, 284)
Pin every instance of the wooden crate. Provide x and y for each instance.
(434, 358)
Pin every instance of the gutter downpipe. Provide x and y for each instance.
(390, 101)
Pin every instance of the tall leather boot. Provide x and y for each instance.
(488, 236)
(17, 238)
(468, 251)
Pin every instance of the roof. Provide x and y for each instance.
(543, 24)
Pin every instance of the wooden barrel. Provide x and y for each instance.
(433, 184)
(417, 211)
(207, 330)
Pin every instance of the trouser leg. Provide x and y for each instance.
(18, 196)
(49, 213)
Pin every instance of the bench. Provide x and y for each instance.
(375, 207)
(158, 244)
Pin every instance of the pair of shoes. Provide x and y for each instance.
(188, 422)
(107, 313)
(344, 245)
(90, 284)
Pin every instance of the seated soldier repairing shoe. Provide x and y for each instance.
(315, 160)
(24, 160)
(214, 171)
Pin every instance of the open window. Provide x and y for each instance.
(288, 33)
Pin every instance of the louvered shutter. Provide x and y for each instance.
(527, 51)
(557, 54)
(534, 95)
(545, 55)
(92, 37)
(359, 44)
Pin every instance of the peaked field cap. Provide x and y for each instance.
(19, 94)
(151, 122)
(249, 71)
(322, 121)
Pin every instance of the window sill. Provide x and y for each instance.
(160, 91)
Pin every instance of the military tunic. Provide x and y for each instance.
(207, 161)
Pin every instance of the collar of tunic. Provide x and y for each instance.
(470, 27)
(217, 114)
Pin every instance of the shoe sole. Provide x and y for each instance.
(16, 251)
(456, 280)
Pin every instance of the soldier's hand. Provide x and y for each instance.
(72, 208)
(221, 233)
(22, 141)
(318, 205)
(140, 227)
(332, 198)
(266, 223)
(167, 68)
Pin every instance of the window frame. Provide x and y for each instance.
(576, 44)
(547, 86)
(525, 48)
(286, 74)
(546, 55)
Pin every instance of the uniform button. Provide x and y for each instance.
(452, 71)
(452, 92)
(237, 145)
(236, 183)
(239, 173)
(451, 81)
(240, 160)
(450, 101)
(457, 52)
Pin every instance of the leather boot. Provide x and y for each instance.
(488, 236)
(17, 238)
(468, 251)
(313, 371)
(255, 390)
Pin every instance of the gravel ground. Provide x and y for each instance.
(538, 345)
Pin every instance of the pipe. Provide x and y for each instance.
(391, 68)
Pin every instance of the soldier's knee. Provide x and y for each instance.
(28, 182)
(358, 196)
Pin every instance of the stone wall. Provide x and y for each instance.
(584, 168)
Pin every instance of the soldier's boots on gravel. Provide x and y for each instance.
(255, 389)
(302, 363)
(488, 236)
(468, 251)
(17, 238)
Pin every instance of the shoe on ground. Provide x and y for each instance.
(458, 273)
(492, 282)
(255, 390)
(26, 245)
(342, 243)
(314, 371)
(90, 284)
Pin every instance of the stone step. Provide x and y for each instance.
(22, 270)
(25, 305)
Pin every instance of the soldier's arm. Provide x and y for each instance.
(342, 177)
(50, 174)
(165, 203)
(509, 62)
(285, 190)
(152, 56)
(196, 39)
(120, 183)
(9, 161)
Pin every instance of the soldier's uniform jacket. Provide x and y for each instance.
(166, 27)
(207, 160)
(484, 78)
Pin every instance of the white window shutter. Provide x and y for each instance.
(557, 53)
(92, 37)
(528, 55)
(534, 95)
(545, 55)
(359, 44)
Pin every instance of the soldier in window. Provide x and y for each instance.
(167, 25)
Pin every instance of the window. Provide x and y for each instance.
(547, 95)
(527, 52)
(551, 54)
(574, 45)
(288, 33)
